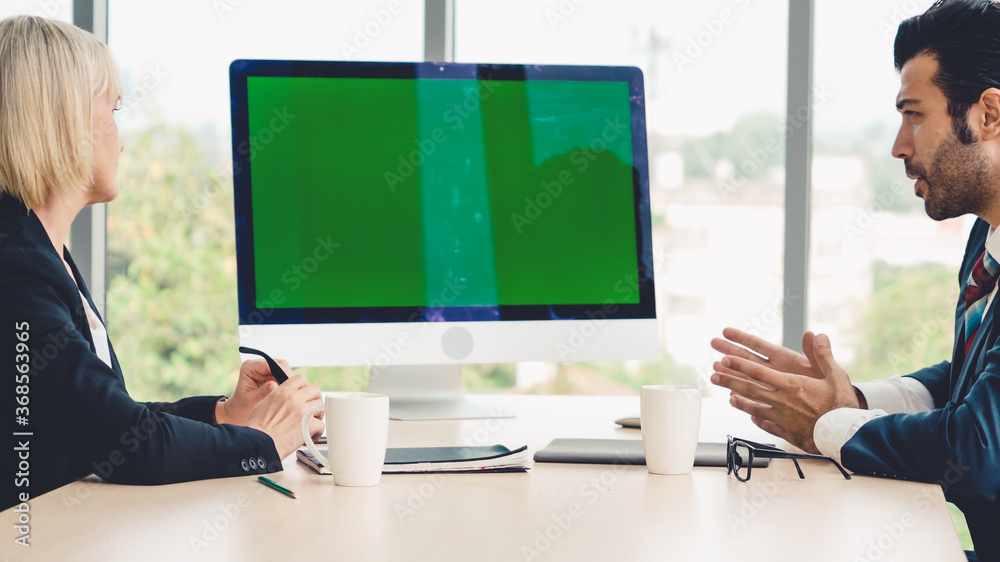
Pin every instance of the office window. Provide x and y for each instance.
(55, 9)
(715, 76)
(883, 274)
(171, 256)
(883, 279)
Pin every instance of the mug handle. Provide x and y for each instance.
(308, 438)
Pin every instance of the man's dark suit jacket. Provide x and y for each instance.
(957, 444)
(81, 418)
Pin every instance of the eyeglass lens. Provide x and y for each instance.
(741, 460)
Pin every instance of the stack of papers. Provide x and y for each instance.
(494, 458)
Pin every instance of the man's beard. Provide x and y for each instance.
(958, 181)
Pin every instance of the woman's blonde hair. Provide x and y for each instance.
(50, 74)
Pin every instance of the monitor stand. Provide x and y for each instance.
(427, 392)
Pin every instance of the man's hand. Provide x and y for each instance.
(784, 392)
(254, 384)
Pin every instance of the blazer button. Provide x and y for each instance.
(253, 463)
(246, 466)
(260, 463)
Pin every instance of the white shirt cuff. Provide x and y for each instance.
(897, 395)
(836, 427)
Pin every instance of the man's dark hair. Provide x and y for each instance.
(964, 37)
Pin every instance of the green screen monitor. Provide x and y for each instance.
(417, 216)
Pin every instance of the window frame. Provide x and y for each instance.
(88, 234)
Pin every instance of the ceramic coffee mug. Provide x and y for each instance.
(357, 428)
(670, 417)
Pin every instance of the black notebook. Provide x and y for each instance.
(624, 451)
(493, 458)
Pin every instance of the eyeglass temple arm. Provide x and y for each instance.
(756, 444)
(840, 468)
(798, 469)
(779, 454)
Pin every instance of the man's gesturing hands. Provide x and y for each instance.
(784, 392)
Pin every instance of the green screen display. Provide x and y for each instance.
(401, 192)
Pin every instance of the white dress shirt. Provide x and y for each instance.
(99, 332)
(894, 395)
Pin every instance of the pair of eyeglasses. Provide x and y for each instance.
(276, 371)
(740, 454)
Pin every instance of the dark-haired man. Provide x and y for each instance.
(942, 423)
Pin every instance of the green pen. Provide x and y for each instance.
(272, 484)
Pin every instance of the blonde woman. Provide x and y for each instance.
(59, 149)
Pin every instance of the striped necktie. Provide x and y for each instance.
(981, 283)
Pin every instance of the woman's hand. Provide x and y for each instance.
(280, 413)
(254, 384)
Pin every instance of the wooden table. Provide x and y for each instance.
(552, 512)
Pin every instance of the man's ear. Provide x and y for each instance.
(989, 104)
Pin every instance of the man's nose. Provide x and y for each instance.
(903, 146)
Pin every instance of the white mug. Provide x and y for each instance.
(670, 416)
(357, 429)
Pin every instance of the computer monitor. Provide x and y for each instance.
(417, 216)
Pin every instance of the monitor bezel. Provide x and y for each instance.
(263, 311)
